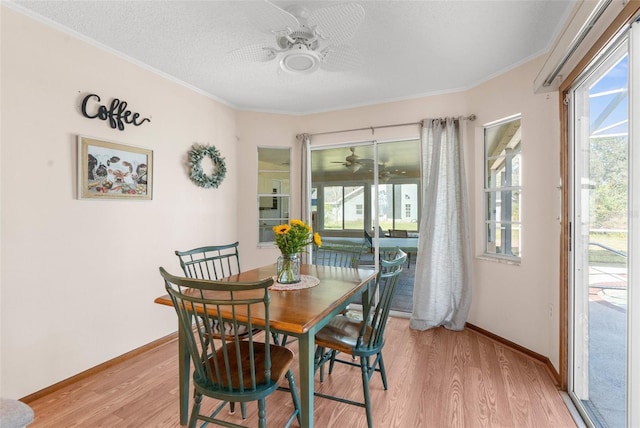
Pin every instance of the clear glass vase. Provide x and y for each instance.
(288, 269)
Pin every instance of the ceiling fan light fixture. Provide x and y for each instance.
(300, 60)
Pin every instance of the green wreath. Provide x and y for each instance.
(196, 154)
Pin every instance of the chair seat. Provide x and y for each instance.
(281, 359)
(341, 334)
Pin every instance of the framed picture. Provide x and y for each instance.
(109, 170)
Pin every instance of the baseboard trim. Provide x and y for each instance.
(101, 367)
(555, 376)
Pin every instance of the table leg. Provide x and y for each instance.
(183, 368)
(306, 352)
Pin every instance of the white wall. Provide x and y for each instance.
(515, 301)
(79, 277)
(87, 270)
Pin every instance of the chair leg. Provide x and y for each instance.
(243, 409)
(262, 413)
(334, 353)
(364, 367)
(319, 361)
(196, 410)
(383, 372)
(277, 340)
(294, 395)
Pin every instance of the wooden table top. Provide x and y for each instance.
(295, 311)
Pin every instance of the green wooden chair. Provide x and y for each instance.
(362, 339)
(214, 262)
(235, 368)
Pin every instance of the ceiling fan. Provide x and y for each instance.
(305, 41)
(353, 162)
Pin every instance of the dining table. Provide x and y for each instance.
(297, 312)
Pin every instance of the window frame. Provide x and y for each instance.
(279, 198)
(505, 226)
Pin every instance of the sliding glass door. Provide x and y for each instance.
(603, 227)
(365, 192)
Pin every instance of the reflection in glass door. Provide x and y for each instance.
(599, 296)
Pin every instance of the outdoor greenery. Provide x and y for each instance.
(614, 240)
(609, 182)
(609, 195)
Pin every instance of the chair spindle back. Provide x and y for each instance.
(236, 363)
(339, 255)
(372, 332)
(211, 262)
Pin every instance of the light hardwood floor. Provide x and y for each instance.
(437, 378)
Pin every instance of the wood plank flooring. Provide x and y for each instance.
(437, 378)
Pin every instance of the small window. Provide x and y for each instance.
(407, 210)
(273, 191)
(502, 188)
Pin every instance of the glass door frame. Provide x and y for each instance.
(567, 353)
(633, 330)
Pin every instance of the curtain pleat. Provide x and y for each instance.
(442, 290)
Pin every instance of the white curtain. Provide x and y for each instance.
(442, 290)
(305, 183)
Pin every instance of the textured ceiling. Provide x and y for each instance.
(409, 48)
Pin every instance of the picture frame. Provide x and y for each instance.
(110, 170)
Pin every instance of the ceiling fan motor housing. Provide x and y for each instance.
(300, 59)
(303, 35)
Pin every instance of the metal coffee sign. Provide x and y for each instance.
(116, 112)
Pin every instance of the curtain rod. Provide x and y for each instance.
(471, 117)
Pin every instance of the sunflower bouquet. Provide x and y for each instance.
(292, 239)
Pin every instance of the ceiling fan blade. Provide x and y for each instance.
(341, 58)
(337, 23)
(252, 53)
(267, 17)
